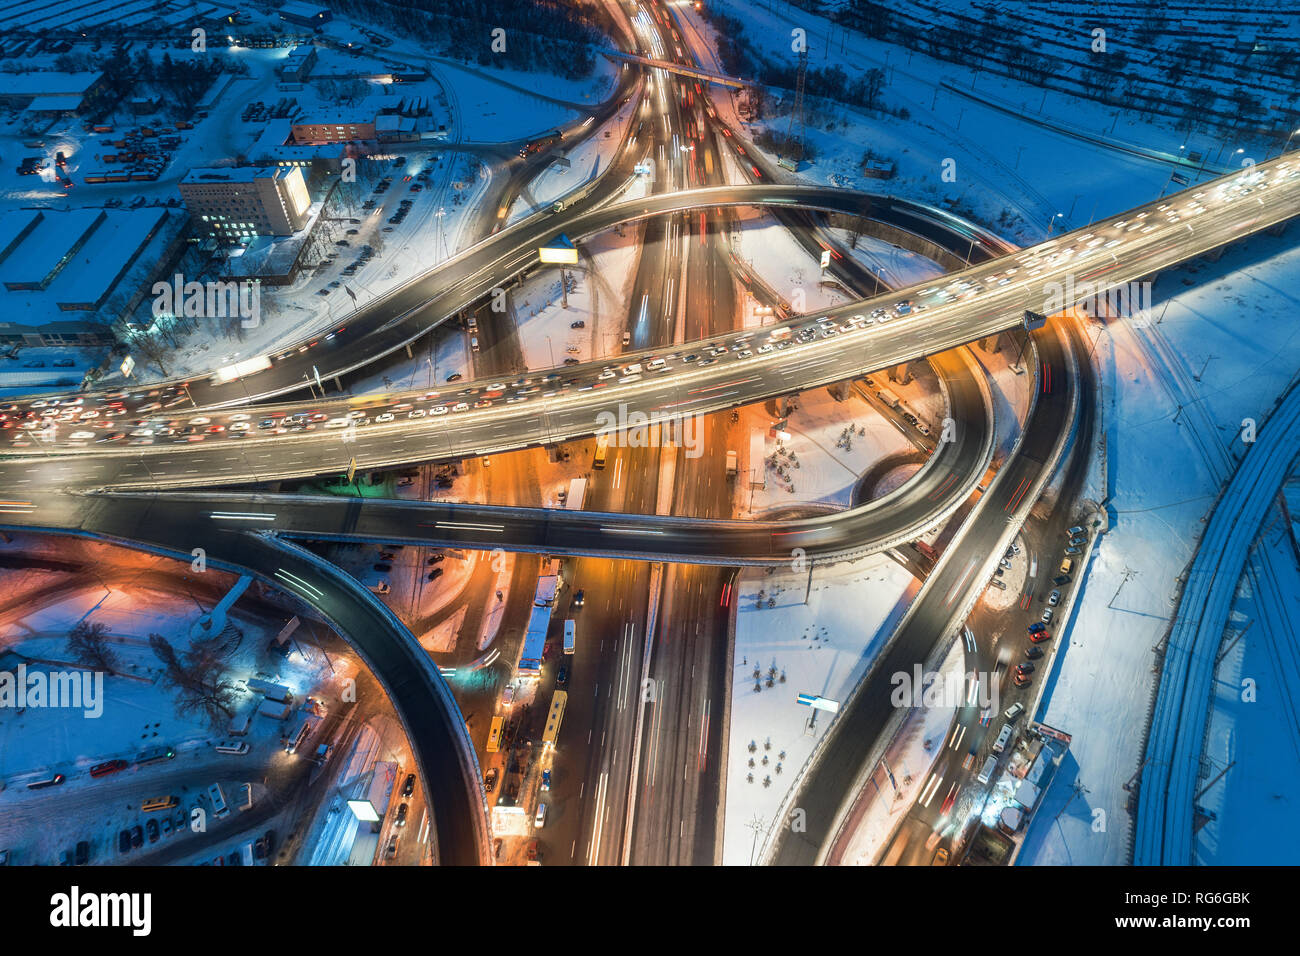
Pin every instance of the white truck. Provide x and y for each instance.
(889, 398)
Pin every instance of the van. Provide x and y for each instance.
(986, 774)
(473, 343)
(570, 636)
(1004, 735)
(158, 803)
(231, 747)
(1066, 565)
(218, 798)
(627, 339)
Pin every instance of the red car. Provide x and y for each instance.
(104, 769)
(948, 801)
(1041, 636)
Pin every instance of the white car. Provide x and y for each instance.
(608, 373)
(241, 417)
(417, 413)
(200, 420)
(460, 407)
(764, 349)
(142, 433)
(338, 422)
(240, 426)
(82, 436)
(744, 355)
(539, 818)
(386, 417)
(438, 410)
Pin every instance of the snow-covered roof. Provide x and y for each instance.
(48, 83)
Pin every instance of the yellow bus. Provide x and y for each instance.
(554, 718)
(494, 735)
(158, 803)
(602, 446)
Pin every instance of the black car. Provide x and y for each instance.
(1061, 579)
(490, 780)
(259, 849)
(434, 559)
(435, 574)
(235, 859)
(392, 849)
(382, 566)
(268, 841)
(124, 841)
(1033, 653)
(562, 676)
(579, 597)
(1026, 668)
(137, 836)
(408, 787)
(83, 853)
(152, 827)
(401, 816)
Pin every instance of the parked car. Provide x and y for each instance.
(490, 779)
(408, 787)
(124, 841)
(401, 815)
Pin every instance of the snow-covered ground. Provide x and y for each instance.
(829, 462)
(773, 252)
(1168, 441)
(1007, 169)
(822, 647)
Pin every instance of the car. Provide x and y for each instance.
(562, 676)
(1026, 667)
(940, 857)
(259, 849)
(1047, 616)
(199, 420)
(401, 815)
(546, 780)
(1014, 711)
(268, 840)
(1074, 532)
(1073, 551)
(434, 559)
(490, 779)
(496, 848)
(1036, 627)
(1033, 653)
(384, 418)
(434, 574)
(539, 818)
(109, 766)
(151, 826)
(1022, 679)
(580, 324)
(1039, 636)
(454, 377)
(408, 787)
(579, 597)
(81, 436)
(417, 413)
(391, 850)
(137, 836)
(1054, 598)
(1061, 579)
(124, 841)
(166, 825)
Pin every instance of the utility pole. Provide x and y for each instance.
(797, 113)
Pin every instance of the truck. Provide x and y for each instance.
(732, 465)
(577, 494)
(889, 398)
(570, 636)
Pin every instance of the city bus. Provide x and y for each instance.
(494, 735)
(602, 447)
(554, 718)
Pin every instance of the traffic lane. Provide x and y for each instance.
(955, 464)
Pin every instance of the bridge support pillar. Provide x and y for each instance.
(1277, 229)
(214, 622)
(839, 391)
(901, 374)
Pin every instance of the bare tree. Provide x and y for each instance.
(88, 645)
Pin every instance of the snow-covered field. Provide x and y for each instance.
(822, 647)
(1168, 443)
